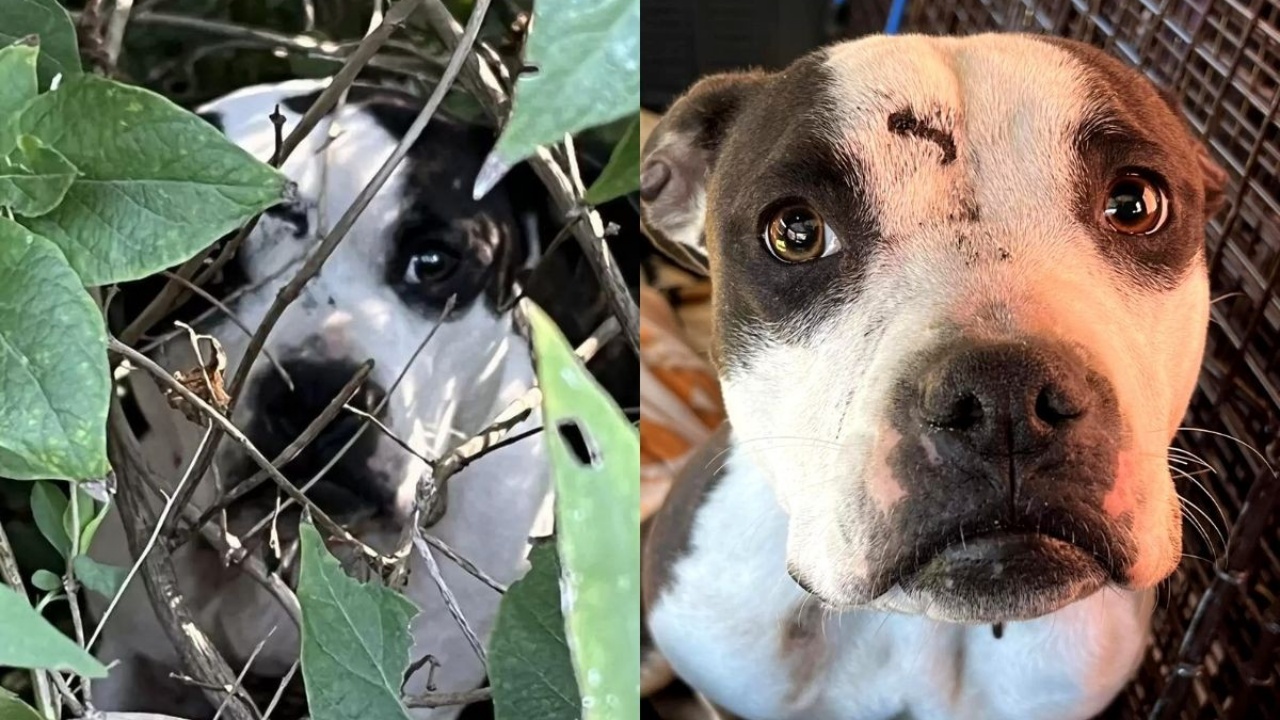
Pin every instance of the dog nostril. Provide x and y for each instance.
(1054, 409)
(964, 413)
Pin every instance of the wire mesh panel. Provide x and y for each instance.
(1217, 625)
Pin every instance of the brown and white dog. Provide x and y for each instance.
(960, 299)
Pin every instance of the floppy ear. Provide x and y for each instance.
(1212, 177)
(677, 163)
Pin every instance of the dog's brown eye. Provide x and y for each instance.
(797, 234)
(433, 265)
(1135, 206)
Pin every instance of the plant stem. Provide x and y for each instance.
(13, 578)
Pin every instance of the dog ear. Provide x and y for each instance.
(677, 162)
(1212, 177)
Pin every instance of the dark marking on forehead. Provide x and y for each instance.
(1132, 128)
(782, 148)
(905, 123)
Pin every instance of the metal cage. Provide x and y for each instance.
(1217, 623)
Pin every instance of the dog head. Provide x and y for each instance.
(960, 301)
(420, 245)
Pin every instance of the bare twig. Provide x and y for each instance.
(450, 601)
(13, 578)
(235, 320)
(291, 451)
(171, 296)
(218, 419)
(237, 689)
(284, 685)
(446, 699)
(198, 654)
(480, 79)
(462, 562)
(116, 25)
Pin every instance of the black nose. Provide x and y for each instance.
(281, 415)
(1006, 398)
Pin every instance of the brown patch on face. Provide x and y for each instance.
(802, 647)
(1123, 497)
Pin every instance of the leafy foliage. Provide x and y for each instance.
(594, 458)
(46, 20)
(622, 175)
(355, 639)
(39, 645)
(105, 183)
(529, 665)
(582, 61)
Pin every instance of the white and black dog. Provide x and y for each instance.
(420, 242)
(960, 301)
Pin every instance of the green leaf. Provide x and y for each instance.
(17, 86)
(587, 56)
(622, 174)
(45, 18)
(91, 528)
(595, 456)
(45, 580)
(158, 183)
(99, 577)
(48, 506)
(39, 645)
(34, 178)
(86, 509)
(355, 639)
(529, 666)
(12, 708)
(53, 365)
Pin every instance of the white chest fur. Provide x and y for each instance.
(734, 625)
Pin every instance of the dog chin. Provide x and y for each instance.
(1003, 578)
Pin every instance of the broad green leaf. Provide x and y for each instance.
(53, 365)
(17, 86)
(622, 174)
(39, 645)
(12, 708)
(158, 184)
(529, 666)
(355, 639)
(587, 59)
(597, 481)
(99, 577)
(34, 178)
(49, 506)
(45, 18)
(44, 580)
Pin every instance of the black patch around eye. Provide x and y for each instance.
(434, 258)
(294, 214)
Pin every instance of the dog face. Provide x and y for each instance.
(421, 241)
(960, 302)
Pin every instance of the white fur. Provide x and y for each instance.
(720, 624)
(475, 365)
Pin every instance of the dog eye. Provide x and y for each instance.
(433, 265)
(796, 234)
(1135, 206)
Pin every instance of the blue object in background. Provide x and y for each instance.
(896, 11)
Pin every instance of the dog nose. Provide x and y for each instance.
(1005, 398)
(281, 415)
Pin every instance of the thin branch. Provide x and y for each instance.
(217, 418)
(237, 689)
(199, 656)
(172, 296)
(446, 699)
(479, 78)
(284, 685)
(291, 451)
(235, 320)
(462, 562)
(116, 25)
(451, 602)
